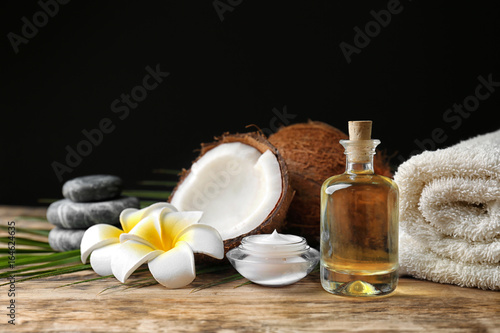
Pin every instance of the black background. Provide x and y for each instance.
(227, 74)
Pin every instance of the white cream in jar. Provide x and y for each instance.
(273, 259)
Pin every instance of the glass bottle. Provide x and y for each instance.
(359, 223)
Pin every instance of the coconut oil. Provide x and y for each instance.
(359, 223)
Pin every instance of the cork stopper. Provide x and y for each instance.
(360, 147)
(360, 130)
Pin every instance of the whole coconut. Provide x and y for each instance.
(312, 153)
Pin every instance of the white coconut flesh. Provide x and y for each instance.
(235, 186)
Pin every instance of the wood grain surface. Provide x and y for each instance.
(302, 307)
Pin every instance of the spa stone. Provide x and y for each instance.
(92, 188)
(81, 215)
(65, 239)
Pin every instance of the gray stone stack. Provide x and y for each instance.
(88, 200)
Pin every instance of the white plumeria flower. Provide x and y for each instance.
(158, 235)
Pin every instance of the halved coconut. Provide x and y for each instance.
(241, 184)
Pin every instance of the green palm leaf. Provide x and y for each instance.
(149, 194)
(55, 272)
(25, 241)
(166, 183)
(230, 278)
(44, 258)
(28, 231)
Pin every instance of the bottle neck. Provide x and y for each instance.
(356, 167)
(359, 156)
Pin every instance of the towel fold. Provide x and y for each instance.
(450, 214)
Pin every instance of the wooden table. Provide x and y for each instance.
(302, 307)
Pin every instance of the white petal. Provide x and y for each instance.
(97, 236)
(100, 259)
(145, 232)
(130, 217)
(129, 256)
(174, 268)
(204, 239)
(172, 223)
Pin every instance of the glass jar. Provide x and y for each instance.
(273, 259)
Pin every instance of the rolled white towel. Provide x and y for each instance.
(450, 214)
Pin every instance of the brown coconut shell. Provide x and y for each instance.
(275, 219)
(313, 153)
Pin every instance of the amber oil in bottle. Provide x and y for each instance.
(359, 223)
